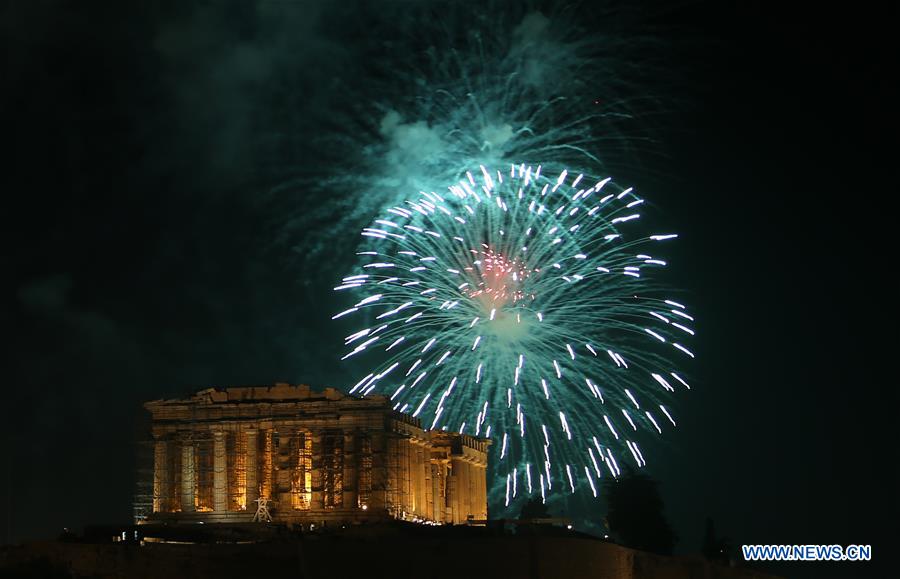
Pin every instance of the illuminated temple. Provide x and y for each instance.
(321, 458)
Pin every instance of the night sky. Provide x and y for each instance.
(147, 256)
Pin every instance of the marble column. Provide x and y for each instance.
(421, 501)
(187, 476)
(412, 471)
(429, 487)
(474, 503)
(268, 461)
(220, 473)
(482, 485)
(463, 487)
(351, 466)
(252, 487)
(283, 466)
(453, 489)
(318, 482)
(402, 474)
(437, 482)
(377, 500)
(162, 487)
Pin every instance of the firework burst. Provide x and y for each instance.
(523, 308)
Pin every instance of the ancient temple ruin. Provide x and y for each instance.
(319, 458)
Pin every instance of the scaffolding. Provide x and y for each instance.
(301, 469)
(398, 491)
(267, 465)
(204, 474)
(333, 469)
(210, 461)
(392, 474)
(142, 503)
(364, 470)
(236, 452)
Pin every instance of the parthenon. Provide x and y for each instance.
(320, 458)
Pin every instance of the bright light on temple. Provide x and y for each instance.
(303, 457)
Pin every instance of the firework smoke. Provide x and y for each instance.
(450, 86)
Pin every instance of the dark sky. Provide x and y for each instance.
(145, 256)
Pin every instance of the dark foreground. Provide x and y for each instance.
(390, 551)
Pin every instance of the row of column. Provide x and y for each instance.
(163, 478)
(422, 482)
(468, 494)
(417, 472)
(434, 488)
(346, 476)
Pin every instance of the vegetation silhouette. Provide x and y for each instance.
(714, 548)
(635, 513)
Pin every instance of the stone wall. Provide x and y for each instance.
(378, 552)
